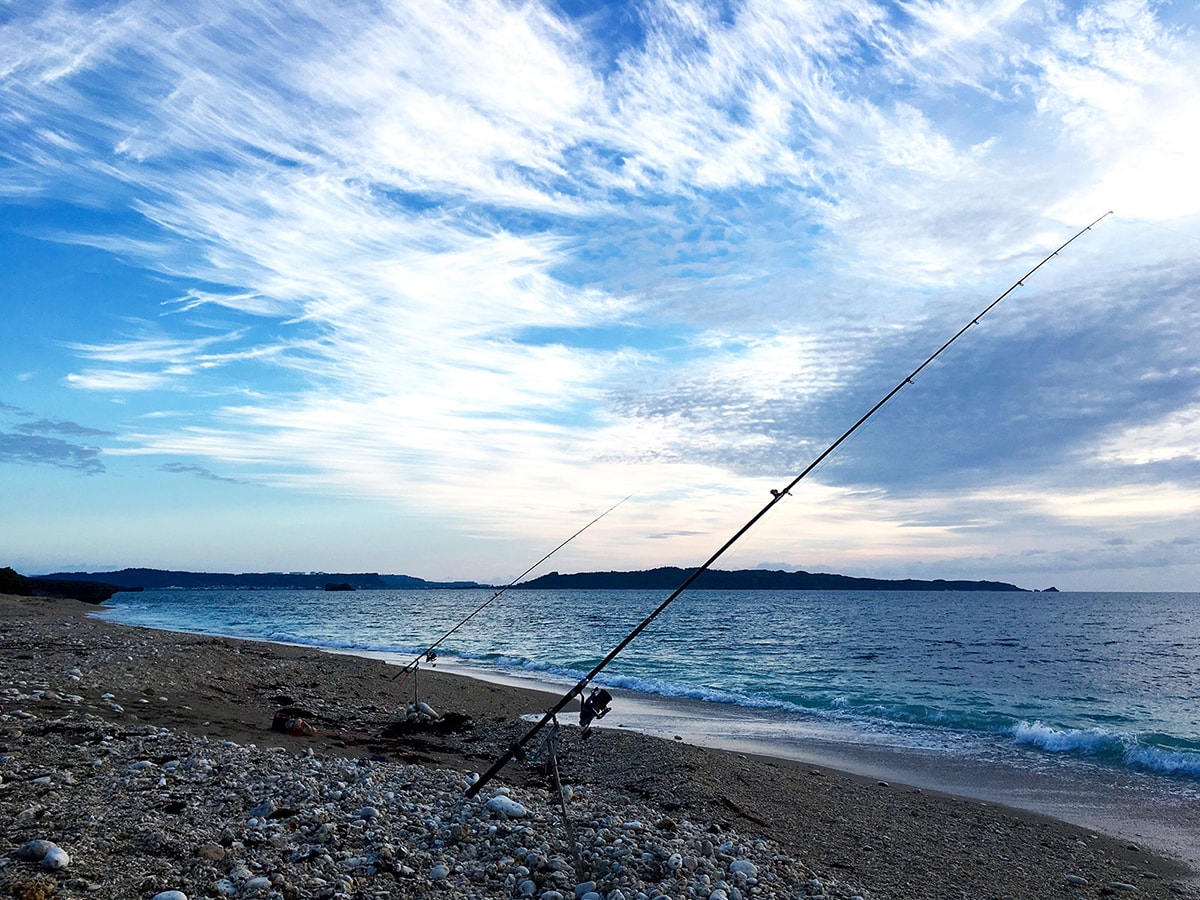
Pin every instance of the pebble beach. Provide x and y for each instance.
(152, 764)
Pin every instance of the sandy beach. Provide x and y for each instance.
(149, 758)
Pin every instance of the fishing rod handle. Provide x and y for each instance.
(512, 751)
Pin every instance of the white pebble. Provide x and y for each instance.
(170, 895)
(743, 867)
(506, 806)
(439, 872)
(56, 858)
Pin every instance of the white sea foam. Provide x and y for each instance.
(1130, 749)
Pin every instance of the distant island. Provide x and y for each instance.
(670, 577)
(662, 578)
(160, 579)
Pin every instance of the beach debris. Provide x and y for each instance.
(426, 710)
(413, 721)
(292, 721)
(43, 887)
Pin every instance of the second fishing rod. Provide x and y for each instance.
(429, 654)
(596, 705)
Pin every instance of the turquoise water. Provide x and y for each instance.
(1107, 679)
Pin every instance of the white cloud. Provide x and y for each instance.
(1174, 437)
(1127, 92)
(113, 381)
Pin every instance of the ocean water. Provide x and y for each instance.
(1095, 690)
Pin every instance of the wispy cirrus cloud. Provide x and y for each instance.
(200, 472)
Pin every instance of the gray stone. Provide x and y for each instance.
(35, 851)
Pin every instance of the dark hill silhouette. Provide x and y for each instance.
(160, 579)
(662, 578)
(670, 577)
(12, 582)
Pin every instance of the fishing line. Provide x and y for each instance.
(429, 654)
(596, 705)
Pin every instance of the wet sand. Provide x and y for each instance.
(886, 839)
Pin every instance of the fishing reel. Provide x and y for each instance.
(431, 658)
(594, 706)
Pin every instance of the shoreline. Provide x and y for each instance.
(1113, 802)
(888, 840)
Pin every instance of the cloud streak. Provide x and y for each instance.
(33, 443)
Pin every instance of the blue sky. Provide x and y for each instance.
(424, 287)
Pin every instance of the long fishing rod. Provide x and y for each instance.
(429, 653)
(596, 705)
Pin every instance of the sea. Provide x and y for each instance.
(1084, 706)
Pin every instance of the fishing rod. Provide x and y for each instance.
(429, 653)
(596, 704)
